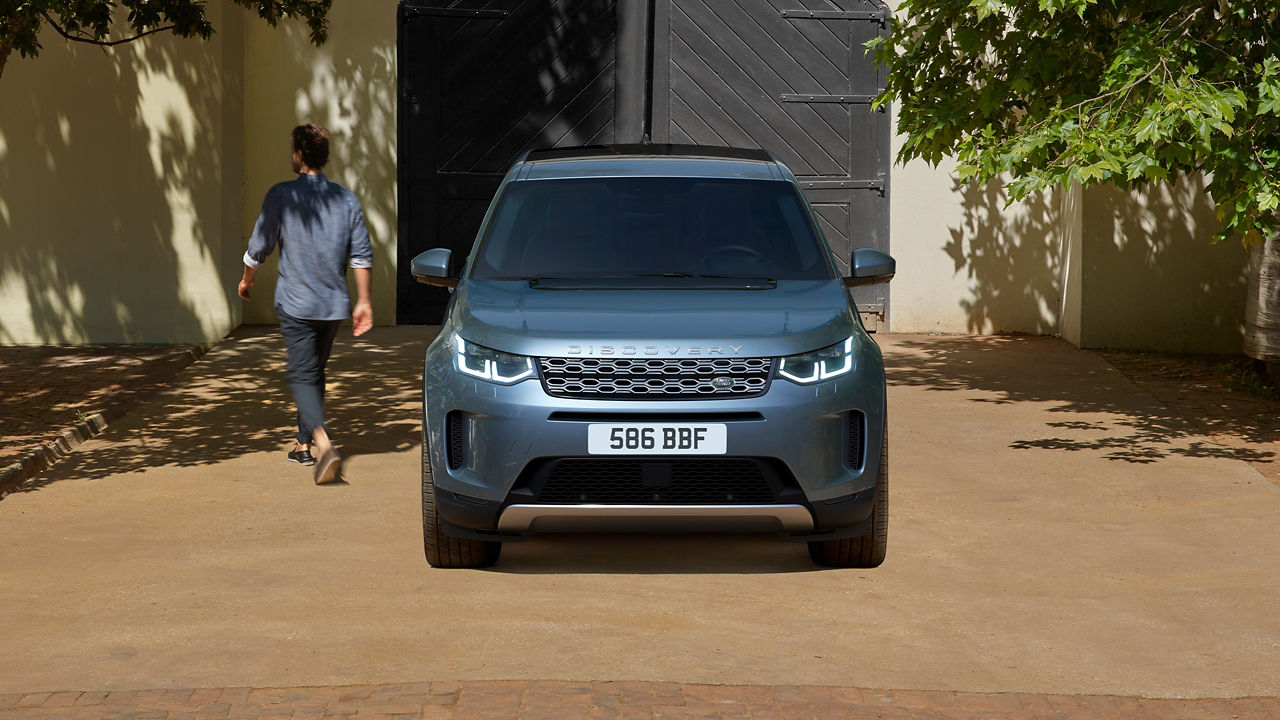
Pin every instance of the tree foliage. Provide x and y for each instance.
(94, 21)
(1058, 92)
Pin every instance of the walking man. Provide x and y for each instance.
(319, 227)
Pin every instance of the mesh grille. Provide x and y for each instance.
(853, 445)
(641, 378)
(454, 427)
(640, 482)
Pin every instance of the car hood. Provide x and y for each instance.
(794, 316)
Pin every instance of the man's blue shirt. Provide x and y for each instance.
(319, 227)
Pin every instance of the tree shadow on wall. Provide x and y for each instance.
(351, 90)
(234, 401)
(1152, 280)
(110, 188)
(1149, 278)
(1012, 257)
(1126, 423)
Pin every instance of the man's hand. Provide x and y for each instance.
(362, 313)
(361, 318)
(246, 283)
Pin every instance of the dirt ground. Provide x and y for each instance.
(1233, 403)
(46, 390)
(1056, 529)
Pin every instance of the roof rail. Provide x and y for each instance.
(651, 150)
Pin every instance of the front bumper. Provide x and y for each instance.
(501, 436)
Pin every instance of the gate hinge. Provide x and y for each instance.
(846, 99)
(877, 185)
(877, 16)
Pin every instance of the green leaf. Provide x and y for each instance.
(986, 8)
(1148, 129)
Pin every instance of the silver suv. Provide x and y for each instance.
(651, 338)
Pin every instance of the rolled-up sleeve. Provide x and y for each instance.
(266, 232)
(361, 254)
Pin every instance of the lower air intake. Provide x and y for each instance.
(455, 438)
(676, 482)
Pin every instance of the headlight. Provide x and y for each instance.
(824, 364)
(491, 365)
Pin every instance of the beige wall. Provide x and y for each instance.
(118, 177)
(349, 86)
(967, 264)
(1101, 267)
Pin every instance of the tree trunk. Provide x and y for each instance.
(1262, 307)
(6, 47)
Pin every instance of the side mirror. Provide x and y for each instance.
(432, 268)
(871, 267)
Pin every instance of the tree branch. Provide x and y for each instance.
(95, 41)
(1126, 89)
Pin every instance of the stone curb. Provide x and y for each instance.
(42, 458)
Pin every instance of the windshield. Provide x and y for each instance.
(644, 226)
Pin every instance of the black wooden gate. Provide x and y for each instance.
(479, 83)
(482, 81)
(790, 76)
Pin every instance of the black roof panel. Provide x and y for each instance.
(637, 150)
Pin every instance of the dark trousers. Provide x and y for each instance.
(309, 343)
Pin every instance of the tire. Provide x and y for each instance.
(868, 550)
(446, 551)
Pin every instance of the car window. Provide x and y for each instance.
(597, 227)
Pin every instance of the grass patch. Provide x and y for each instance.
(1245, 374)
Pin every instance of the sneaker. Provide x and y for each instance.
(329, 469)
(302, 457)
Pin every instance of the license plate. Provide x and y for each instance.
(655, 439)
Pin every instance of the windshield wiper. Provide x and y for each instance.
(684, 275)
(655, 281)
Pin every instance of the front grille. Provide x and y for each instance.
(649, 378)
(612, 481)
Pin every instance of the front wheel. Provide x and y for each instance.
(443, 550)
(867, 550)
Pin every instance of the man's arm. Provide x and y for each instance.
(266, 233)
(362, 313)
(361, 261)
(246, 282)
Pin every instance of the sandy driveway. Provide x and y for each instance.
(1053, 529)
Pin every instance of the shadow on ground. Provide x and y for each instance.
(655, 554)
(235, 401)
(1128, 426)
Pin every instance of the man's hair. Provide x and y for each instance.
(313, 142)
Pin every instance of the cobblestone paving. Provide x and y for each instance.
(555, 700)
